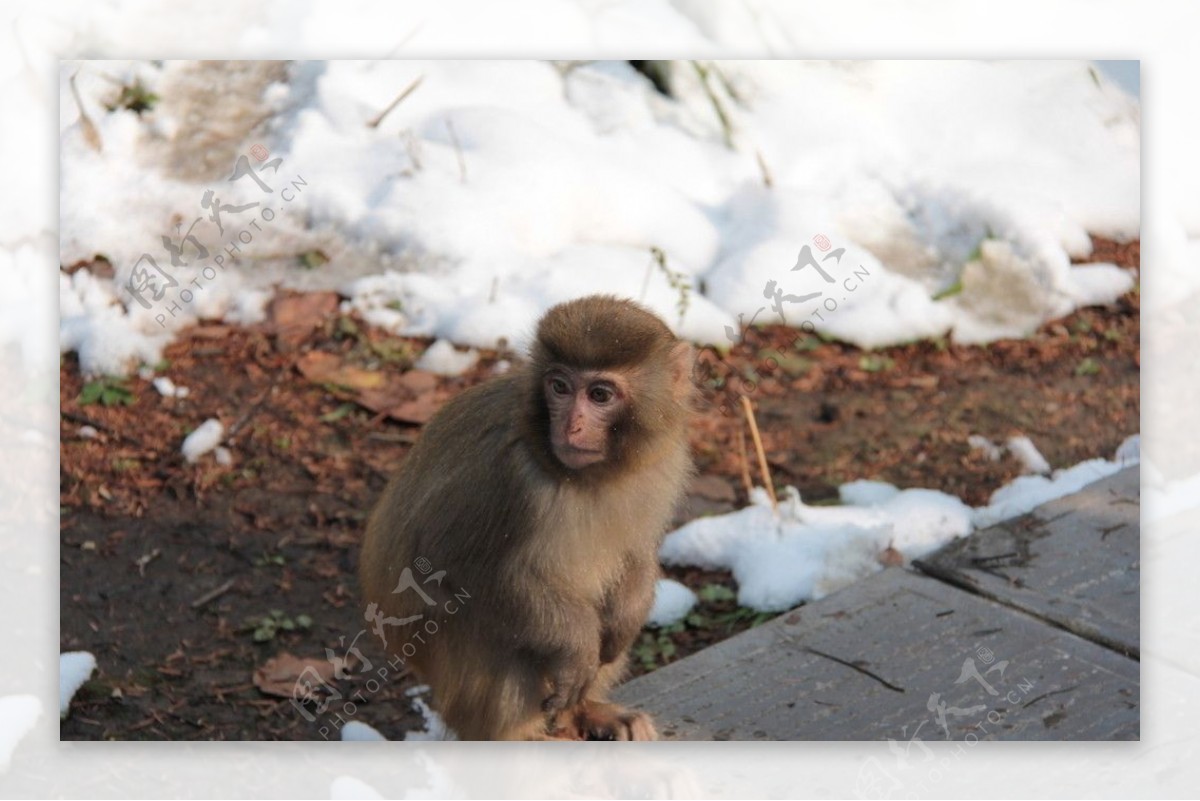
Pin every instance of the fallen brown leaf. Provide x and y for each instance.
(305, 309)
(284, 673)
(327, 368)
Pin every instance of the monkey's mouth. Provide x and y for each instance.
(577, 458)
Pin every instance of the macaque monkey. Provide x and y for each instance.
(536, 504)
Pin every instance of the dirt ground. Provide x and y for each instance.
(205, 590)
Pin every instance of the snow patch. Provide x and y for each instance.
(166, 387)
(359, 732)
(204, 439)
(1028, 455)
(514, 185)
(1129, 451)
(991, 451)
(74, 668)
(672, 601)
(435, 727)
(441, 358)
(802, 553)
(1029, 492)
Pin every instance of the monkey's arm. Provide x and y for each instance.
(626, 606)
(559, 635)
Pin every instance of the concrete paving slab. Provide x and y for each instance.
(899, 656)
(1073, 562)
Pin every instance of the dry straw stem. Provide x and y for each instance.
(91, 134)
(702, 71)
(408, 90)
(462, 164)
(758, 447)
(745, 460)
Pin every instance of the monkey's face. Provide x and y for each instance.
(585, 407)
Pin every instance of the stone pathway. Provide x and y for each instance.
(1024, 631)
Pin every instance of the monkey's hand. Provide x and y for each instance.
(601, 721)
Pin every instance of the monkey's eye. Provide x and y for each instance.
(600, 395)
(559, 386)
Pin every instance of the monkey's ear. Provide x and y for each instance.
(681, 362)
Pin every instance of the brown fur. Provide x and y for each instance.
(559, 564)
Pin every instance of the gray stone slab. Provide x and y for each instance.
(899, 656)
(1074, 562)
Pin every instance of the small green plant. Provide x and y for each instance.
(676, 280)
(789, 363)
(954, 289)
(346, 328)
(1088, 366)
(1113, 335)
(872, 363)
(265, 628)
(656, 648)
(270, 560)
(715, 593)
(807, 344)
(393, 351)
(337, 414)
(135, 97)
(312, 259)
(107, 391)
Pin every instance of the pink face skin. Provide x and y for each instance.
(584, 405)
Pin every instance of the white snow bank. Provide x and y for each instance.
(74, 668)
(1028, 455)
(672, 601)
(1129, 451)
(166, 387)
(984, 445)
(435, 727)
(18, 714)
(805, 552)
(109, 339)
(441, 358)
(934, 198)
(1028, 492)
(359, 732)
(205, 438)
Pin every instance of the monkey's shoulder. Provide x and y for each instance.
(467, 480)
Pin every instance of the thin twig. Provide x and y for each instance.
(84, 420)
(762, 456)
(408, 90)
(462, 164)
(254, 407)
(862, 670)
(91, 134)
(146, 559)
(768, 182)
(722, 116)
(213, 594)
(745, 460)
